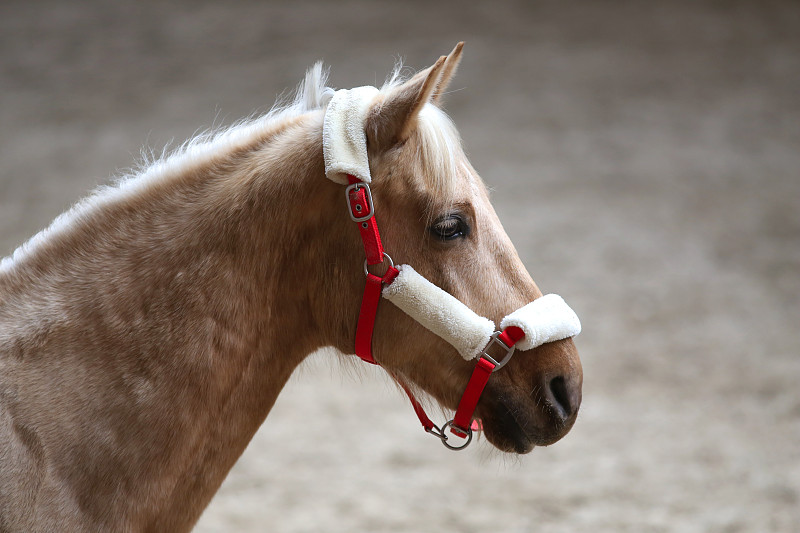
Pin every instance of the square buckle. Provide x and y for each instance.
(509, 352)
(352, 208)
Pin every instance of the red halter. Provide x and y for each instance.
(362, 211)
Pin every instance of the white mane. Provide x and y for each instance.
(312, 94)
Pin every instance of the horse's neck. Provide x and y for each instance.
(148, 343)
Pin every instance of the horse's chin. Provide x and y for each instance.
(507, 435)
(518, 426)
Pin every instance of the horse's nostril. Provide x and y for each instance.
(561, 397)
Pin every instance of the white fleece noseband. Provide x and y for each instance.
(545, 319)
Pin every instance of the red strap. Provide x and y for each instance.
(469, 401)
(366, 318)
(361, 207)
(426, 422)
(369, 310)
(477, 382)
(511, 335)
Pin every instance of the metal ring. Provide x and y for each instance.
(385, 257)
(445, 438)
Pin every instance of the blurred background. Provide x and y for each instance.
(645, 160)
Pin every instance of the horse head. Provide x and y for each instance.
(435, 214)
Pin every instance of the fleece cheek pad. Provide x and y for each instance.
(440, 312)
(545, 319)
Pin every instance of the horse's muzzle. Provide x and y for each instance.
(532, 406)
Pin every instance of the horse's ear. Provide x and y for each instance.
(393, 119)
(448, 71)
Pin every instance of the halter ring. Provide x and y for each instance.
(443, 435)
(385, 257)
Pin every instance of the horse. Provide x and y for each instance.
(147, 332)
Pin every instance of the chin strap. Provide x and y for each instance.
(462, 425)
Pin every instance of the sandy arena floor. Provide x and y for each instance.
(645, 159)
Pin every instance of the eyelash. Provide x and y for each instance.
(450, 227)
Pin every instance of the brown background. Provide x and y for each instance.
(645, 159)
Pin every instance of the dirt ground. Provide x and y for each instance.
(645, 159)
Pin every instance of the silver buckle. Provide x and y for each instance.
(509, 352)
(368, 196)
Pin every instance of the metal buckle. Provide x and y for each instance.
(370, 207)
(509, 352)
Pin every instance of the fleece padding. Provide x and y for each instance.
(440, 312)
(344, 141)
(545, 319)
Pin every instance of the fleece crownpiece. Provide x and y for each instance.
(344, 141)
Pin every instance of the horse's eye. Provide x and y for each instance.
(450, 227)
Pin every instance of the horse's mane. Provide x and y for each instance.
(310, 95)
(437, 152)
